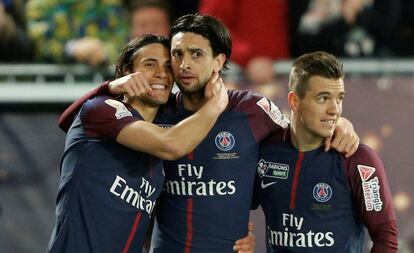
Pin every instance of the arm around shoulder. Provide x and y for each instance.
(169, 143)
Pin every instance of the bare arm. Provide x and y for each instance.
(179, 140)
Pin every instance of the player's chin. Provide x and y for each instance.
(160, 101)
(160, 97)
(326, 132)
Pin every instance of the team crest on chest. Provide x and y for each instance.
(322, 192)
(225, 141)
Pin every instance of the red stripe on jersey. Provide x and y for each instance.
(295, 181)
(132, 233)
(190, 156)
(189, 225)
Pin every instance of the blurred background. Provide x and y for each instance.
(52, 52)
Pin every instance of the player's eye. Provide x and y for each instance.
(196, 54)
(321, 99)
(149, 65)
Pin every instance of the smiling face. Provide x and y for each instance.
(193, 61)
(153, 61)
(316, 114)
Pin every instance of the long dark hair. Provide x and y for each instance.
(126, 58)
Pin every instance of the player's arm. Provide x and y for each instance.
(247, 243)
(384, 237)
(131, 84)
(373, 199)
(345, 139)
(181, 139)
(69, 114)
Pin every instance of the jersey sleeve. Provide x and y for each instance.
(105, 117)
(67, 117)
(372, 198)
(264, 116)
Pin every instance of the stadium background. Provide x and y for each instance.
(379, 101)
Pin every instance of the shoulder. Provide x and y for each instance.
(104, 103)
(365, 163)
(255, 104)
(240, 97)
(104, 107)
(365, 154)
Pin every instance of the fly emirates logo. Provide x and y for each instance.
(137, 198)
(192, 184)
(292, 236)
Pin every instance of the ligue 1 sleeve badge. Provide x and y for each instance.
(322, 192)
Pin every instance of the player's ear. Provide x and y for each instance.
(127, 69)
(126, 72)
(293, 101)
(219, 62)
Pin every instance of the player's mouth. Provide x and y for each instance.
(186, 78)
(158, 86)
(328, 122)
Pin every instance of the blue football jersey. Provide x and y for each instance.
(207, 194)
(107, 191)
(319, 201)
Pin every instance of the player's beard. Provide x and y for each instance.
(196, 89)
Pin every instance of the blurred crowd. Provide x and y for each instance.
(93, 31)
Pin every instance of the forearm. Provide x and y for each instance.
(187, 134)
(171, 143)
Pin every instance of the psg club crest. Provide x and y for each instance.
(225, 141)
(322, 192)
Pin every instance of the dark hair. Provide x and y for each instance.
(313, 64)
(210, 28)
(128, 54)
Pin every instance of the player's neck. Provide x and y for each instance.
(302, 139)
(148, 112)
(193, 102)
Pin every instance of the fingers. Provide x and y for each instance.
(353, 148)
(128, 90)
(213, 86)
(141, 84)
(245, 244)
(250, 226)
(344, 142)
(134, 85)
(337, 138)
(214, 77)
(327, 143)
